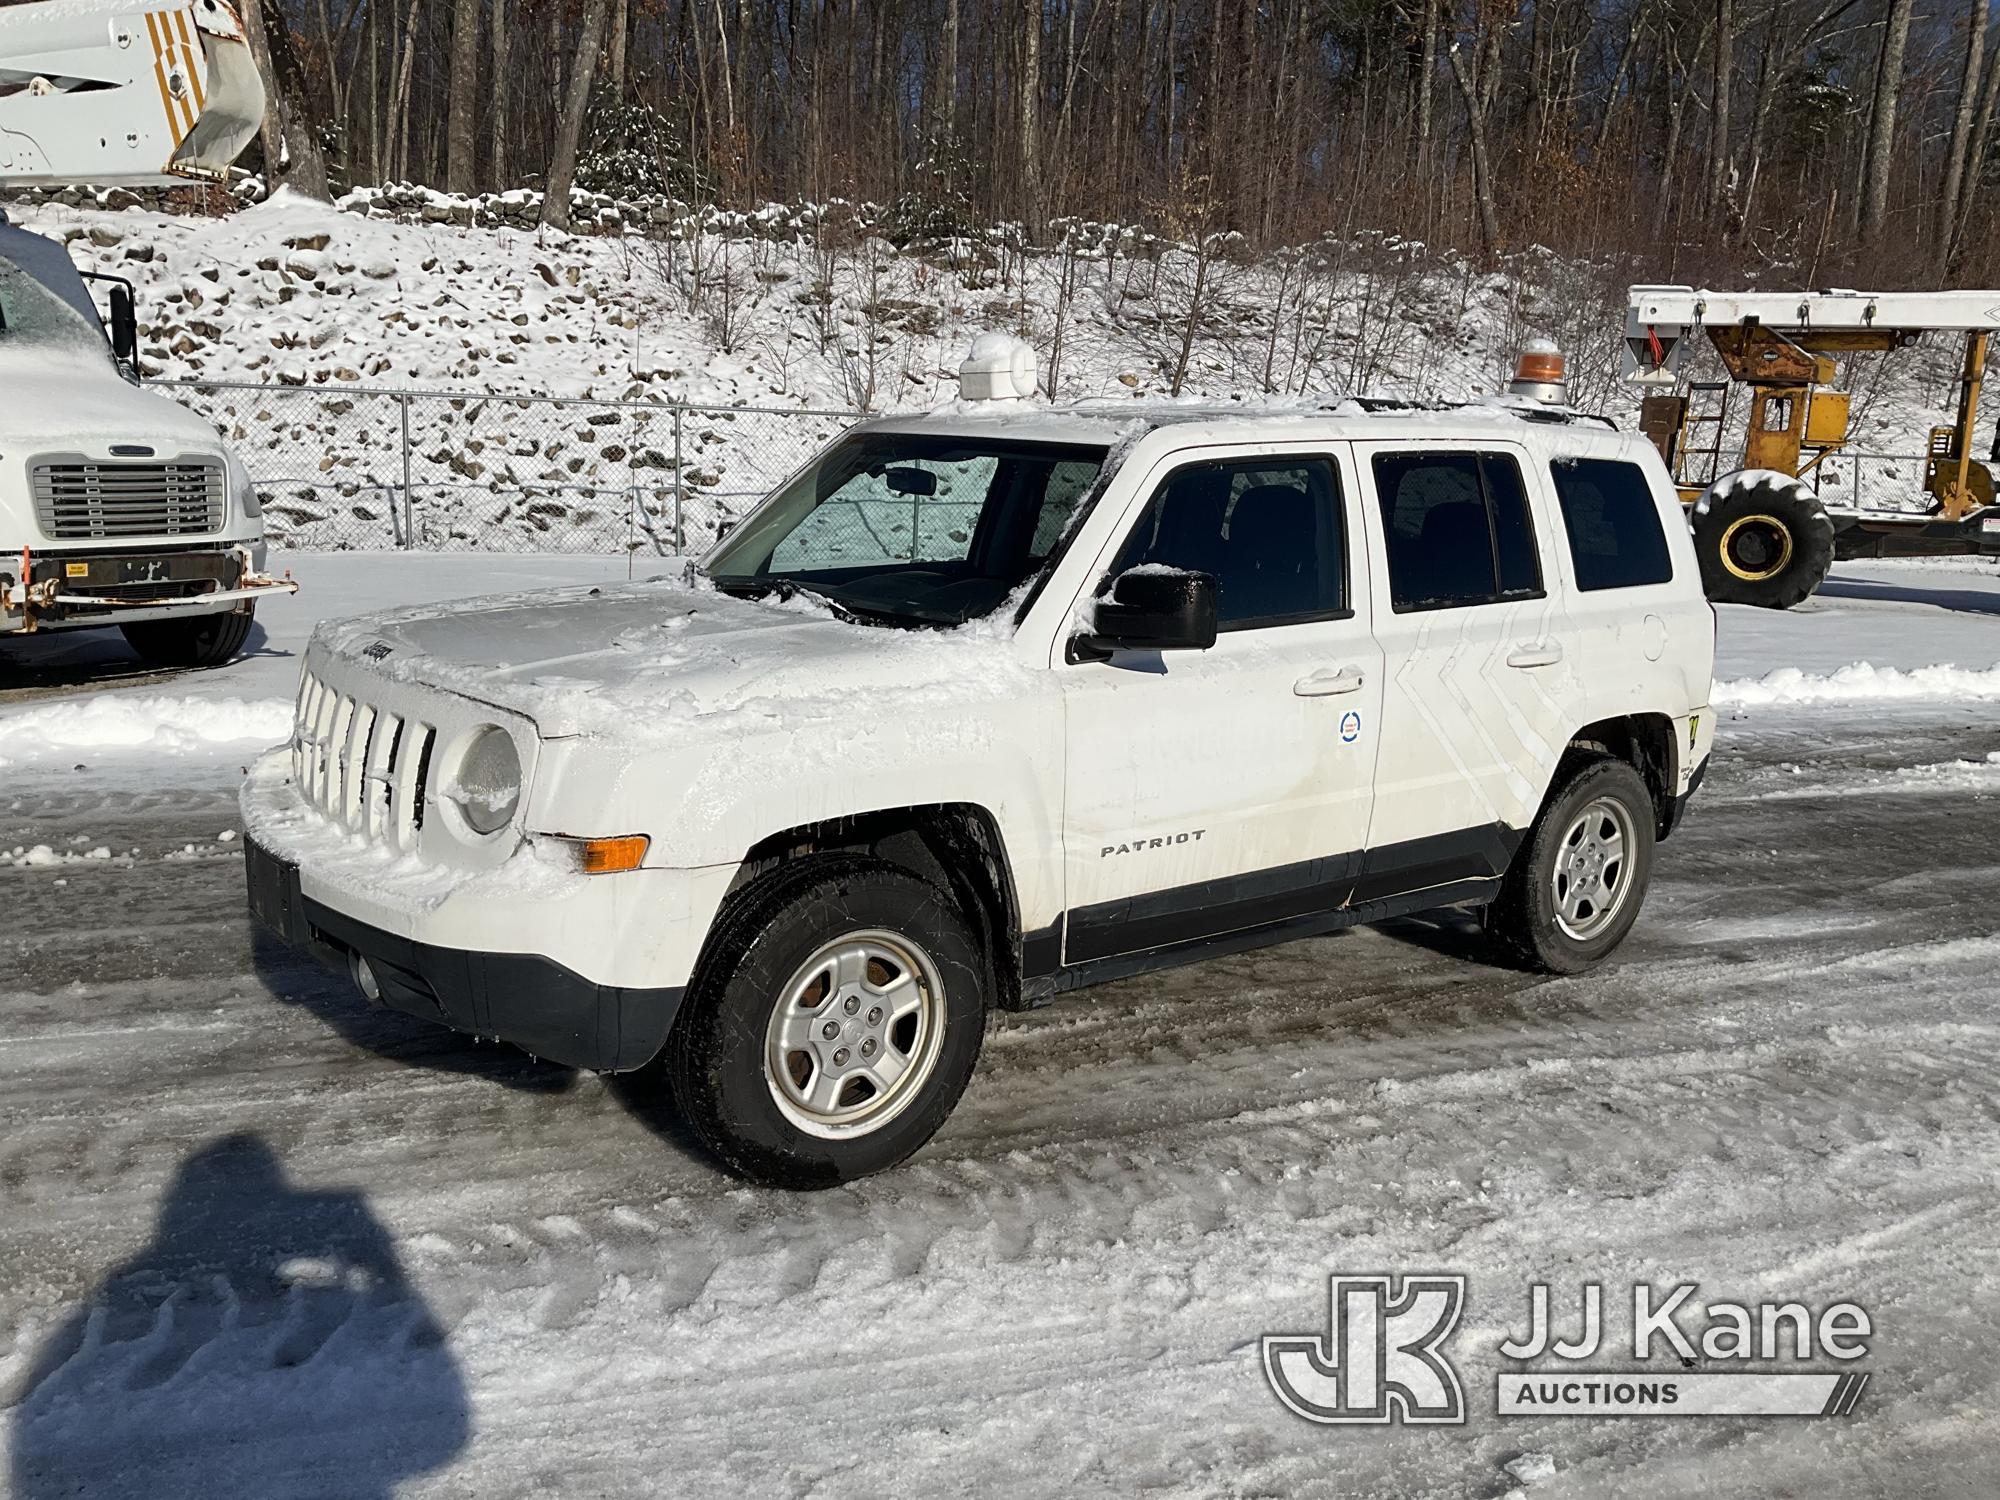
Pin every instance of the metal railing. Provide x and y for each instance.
(1847, 479)
(340, 466)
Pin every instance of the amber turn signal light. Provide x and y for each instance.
(610, 856)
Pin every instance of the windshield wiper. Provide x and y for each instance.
(791, 588)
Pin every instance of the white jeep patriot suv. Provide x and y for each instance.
(988, 704)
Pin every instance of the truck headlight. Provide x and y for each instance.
(244, 491)
(486, 788)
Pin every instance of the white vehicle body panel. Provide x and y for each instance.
(717, 726)
(1195, 766)
(1469, 737)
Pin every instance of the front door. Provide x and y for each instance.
(1209, 792)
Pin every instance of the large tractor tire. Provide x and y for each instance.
(1763, 538)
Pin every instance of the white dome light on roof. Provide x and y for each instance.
(999, 367)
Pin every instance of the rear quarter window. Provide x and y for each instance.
(1613, 522)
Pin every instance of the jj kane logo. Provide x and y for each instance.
(1383, 1357)
(1381, 1360)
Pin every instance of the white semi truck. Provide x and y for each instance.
(118, 506)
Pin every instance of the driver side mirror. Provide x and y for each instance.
(124, 325)
(1150, 608)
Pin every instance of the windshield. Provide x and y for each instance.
(36, 318)
(910, 528)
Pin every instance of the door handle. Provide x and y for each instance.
(1536, 654)
(1325, 683)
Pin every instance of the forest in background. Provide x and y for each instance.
(1817, 141)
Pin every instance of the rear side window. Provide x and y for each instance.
(1459, 530)
(1615, 540)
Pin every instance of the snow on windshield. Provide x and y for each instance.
(36, 318)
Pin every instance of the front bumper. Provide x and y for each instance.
(58, 589)
(534, 1002)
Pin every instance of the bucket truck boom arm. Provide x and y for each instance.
(126, 93)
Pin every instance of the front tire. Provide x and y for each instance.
(833, 1024)
(1577, 883)
(201, 641)
(1764, 539)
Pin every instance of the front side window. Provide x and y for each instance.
(1458, 530)
(1268, 529)
(1615, 540)
(912, 528)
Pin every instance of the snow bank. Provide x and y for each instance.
(1859, 682)
(125, 722)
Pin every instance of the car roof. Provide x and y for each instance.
(1197, 421)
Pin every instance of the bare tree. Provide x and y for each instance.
(1961, 129)
(621, 25)
(1718, 110)
(1027, 100)
(1476, 71)
(461, 97)
(1875, 161)
(496, 99)
(569, 137)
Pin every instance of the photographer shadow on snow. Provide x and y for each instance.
(265, 1342)
(293, 979)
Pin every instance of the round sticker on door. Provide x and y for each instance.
(1350, 727)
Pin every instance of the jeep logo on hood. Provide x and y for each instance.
(377, 650)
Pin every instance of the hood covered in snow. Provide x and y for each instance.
(80, 405)
(630, 658)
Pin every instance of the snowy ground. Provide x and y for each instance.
(258, 1239)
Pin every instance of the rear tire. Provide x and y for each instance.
(1767, 542)
(833, 1024)
(202, 641)
(1577, 883)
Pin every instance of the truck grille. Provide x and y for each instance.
(365, 768)
(79, 499)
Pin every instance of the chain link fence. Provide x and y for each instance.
(344, 467)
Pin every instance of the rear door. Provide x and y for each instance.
(1622, 575)
(1213, 791)
(1481, 685)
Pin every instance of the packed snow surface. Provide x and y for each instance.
(1860, 682)
(147, 724)
(257, 1238)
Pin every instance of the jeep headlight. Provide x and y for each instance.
(486, 788)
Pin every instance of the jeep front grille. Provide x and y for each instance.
(364, 767)
(80, 499)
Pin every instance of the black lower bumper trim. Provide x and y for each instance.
(1677, 808)
(534, 1002)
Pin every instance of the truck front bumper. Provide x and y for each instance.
(534, 1002)
(57, 590)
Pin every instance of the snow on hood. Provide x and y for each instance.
(635, 659)
(54, 404)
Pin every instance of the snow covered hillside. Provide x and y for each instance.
(789, 312)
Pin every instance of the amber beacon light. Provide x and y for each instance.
(1541, 374)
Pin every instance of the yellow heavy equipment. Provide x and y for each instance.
(1762, 529)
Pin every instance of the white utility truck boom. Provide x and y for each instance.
(118, 506)
(1688, 307)
(124, 93)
